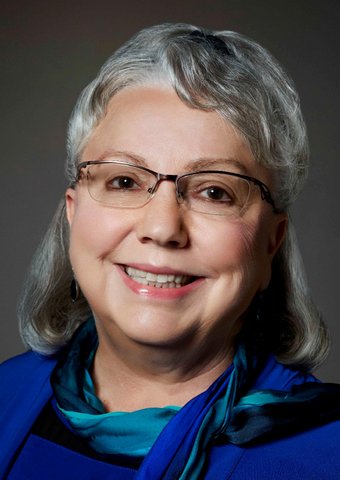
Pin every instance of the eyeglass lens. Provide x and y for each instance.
(125, 186)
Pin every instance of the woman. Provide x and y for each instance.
(185, 346)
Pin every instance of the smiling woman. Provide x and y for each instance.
(185, 347)
(166, 237)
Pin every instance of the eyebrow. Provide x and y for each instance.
(129, 156)
(215, 164)
(191, 166)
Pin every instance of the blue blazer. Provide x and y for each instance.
(313, 454)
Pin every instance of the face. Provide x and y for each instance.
(225, 260)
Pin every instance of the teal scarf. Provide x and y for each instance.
(118, 433)
(226, 411)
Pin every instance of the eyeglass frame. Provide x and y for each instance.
(160, 177)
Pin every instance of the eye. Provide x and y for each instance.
(122, 183)
(216, 193)
(212, 188)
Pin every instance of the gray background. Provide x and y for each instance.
(51, 49)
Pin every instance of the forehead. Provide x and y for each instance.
(154, 125)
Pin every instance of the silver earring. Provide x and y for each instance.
(74, 290)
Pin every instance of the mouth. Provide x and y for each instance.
(160, 280)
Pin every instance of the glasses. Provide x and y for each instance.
(214, 192)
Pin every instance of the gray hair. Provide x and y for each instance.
(214, 71)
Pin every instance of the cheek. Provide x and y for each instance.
(95, 231)
(231, 246)
(238, 256)
(251, 254)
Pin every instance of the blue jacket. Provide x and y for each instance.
(25, 389)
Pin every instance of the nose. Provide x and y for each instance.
(162, 219)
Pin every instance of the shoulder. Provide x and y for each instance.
(277, 376)
(27, 363)
(24, 362)
(314, 453)
(26, 371)
(24, 390)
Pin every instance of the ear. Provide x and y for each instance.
(277, 233)
(71, 201)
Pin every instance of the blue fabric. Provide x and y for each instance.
(44, 460)
(311, 455)
(226, 410)
(121, 433)
(25, 389)
(314, 454)
(315, 457)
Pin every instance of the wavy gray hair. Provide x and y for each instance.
(214, 71)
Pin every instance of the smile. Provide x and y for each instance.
(158, 280)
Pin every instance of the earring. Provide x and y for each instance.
(74, 290)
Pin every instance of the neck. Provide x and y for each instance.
(131, 379)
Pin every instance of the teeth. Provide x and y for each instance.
(151, 277)
(159, 281)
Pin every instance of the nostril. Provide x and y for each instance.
(174, 244)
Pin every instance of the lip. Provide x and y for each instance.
(154, 292)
